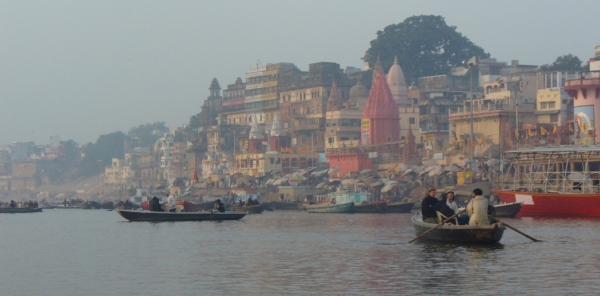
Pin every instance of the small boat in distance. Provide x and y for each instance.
(399, 207)
(361, 200)
(149, 216)
(328, 207)
(508, 210)
(20, 210)
(463, 234)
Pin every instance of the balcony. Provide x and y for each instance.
(308, 123)
(484, 108)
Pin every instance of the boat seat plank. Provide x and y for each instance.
(442, 217)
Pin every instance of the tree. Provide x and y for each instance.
(425, 46)
(99, 155)
(564, 63)
(146, 135)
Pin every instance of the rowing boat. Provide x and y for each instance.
(150, 216)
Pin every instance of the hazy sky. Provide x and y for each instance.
(81, 69)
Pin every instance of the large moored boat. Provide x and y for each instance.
(553, 181)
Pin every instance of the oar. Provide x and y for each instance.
(434, 228)
(521, 233)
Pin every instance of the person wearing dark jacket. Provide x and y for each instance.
(155, 205)
(428, 207)
(219, 206)
(443, 208)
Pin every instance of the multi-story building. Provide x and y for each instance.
(262, 92)
(233, 108)
(118, 173)
(554, 107)
(343, 117)
(303, 102)
(585, 92)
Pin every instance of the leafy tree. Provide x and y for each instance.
(566, 62)
(146, 135)
(425, 46)
(99, 155)
(194, 123)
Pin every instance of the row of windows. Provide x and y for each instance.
(261, 91)
(261, 79)
(261, 105)
(547, 105)
(343, 122)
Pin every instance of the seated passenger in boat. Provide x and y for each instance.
(155, 205)
(13, 204)
(444, 209)
(219, 206)
(477, 209)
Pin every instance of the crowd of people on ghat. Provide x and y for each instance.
(479, 211)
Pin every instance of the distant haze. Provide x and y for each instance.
(81, 69)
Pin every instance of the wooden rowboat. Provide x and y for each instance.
(399, 207)
(20, 210)
(369, 207)
(149, 216)
(508, 210)
(463, 234)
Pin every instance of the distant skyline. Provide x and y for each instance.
(82, 69)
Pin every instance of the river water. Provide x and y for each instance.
(97, 252)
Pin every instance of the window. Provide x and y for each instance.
(544, 105)
(412, 120)
(551, 104)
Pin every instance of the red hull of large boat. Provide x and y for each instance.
(553, 204)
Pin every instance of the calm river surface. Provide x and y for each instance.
(97, 252)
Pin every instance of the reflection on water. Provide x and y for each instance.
(96, 252)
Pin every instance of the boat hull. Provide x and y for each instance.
(399, 207)
(463, 234)
(330, 208)
(372, 207)
(148, 216)
(508, 210)
(257, 209)
(20, 210)
(553, 204)
(282, 206)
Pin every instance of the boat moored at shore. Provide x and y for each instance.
(553, 181)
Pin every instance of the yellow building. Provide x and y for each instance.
(262, 92)
(258, 164)
(117, 173)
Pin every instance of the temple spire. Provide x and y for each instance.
(334, 103)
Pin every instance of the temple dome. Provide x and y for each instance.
(359, 91)
(397, 83)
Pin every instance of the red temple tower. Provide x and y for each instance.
(380, 119)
